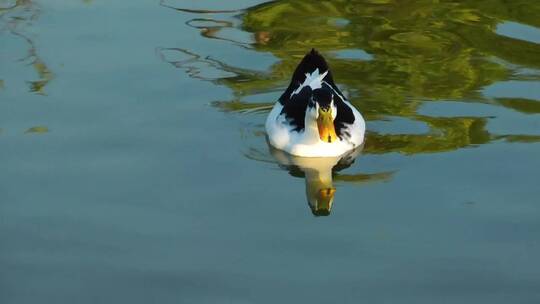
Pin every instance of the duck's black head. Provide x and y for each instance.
(323, 97)
(324, 111)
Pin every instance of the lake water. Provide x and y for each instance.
(134, 165)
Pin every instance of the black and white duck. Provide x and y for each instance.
(312, 118)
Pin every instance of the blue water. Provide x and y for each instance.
(138, 173)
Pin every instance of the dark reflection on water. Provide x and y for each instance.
(198, 11)
(15, 18)
(412, 53)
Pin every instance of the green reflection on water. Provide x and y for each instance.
(404, 54)
(522, 105)
(391, 58)
(421, 51)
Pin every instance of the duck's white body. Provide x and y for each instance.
(292, 124)
(307, 143)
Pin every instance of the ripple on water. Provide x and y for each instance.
(519, 31)
(222, 30)
(500, 121)
(355, 54)
(196, 66)
(404, 125)
(425, 41)
(513, 88)
(37, 130)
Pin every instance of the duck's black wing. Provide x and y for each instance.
(295, 109)
(312, 61)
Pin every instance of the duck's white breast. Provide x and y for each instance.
(282, 136)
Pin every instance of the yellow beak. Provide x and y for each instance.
(325, 123)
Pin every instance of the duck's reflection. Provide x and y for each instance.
(318, 175)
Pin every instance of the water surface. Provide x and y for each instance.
(135, 167)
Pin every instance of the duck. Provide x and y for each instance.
(312, 118)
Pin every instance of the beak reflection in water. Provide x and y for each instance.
(322, 203)
(317, 172)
